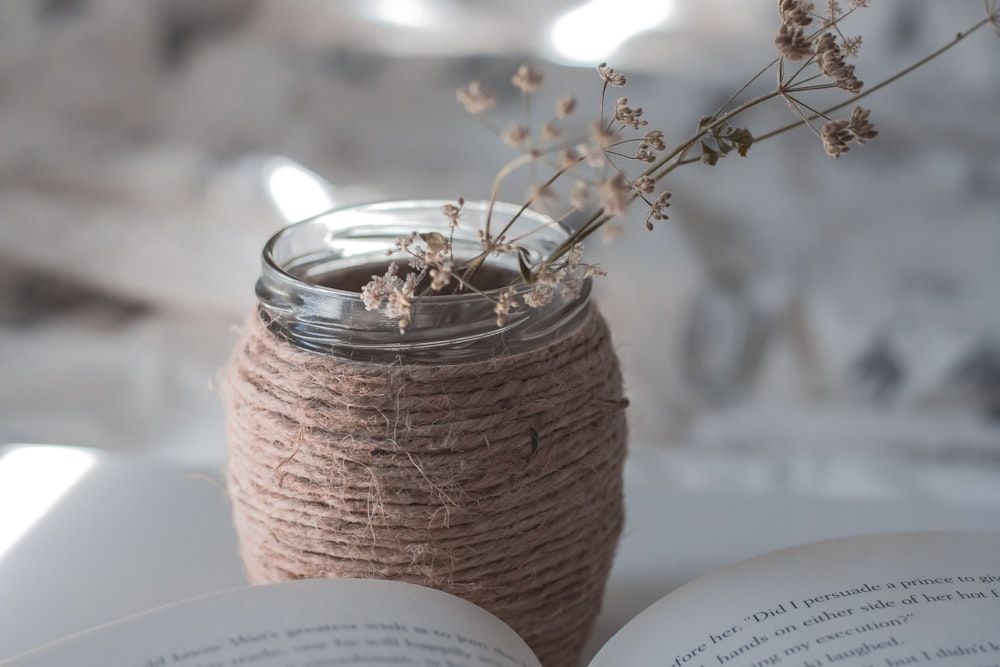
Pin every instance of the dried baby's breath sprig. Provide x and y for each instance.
(624, 167)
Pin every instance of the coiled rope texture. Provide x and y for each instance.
(499, 481)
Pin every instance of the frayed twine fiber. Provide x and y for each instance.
(499, 481)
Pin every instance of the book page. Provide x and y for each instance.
(307, 623)
(909, 599)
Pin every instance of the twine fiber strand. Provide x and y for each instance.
(499, 481)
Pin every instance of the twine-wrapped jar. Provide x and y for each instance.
(481, 460)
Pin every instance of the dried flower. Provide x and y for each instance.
(611, 232)
(792, 43)
(830, 58)
(527, 79)
(569, 157)
(644, 153)
(565, 106)
(644, 184)
(610, 76)
(615, 195)
(593, 154)
(541, 196)
(601, 135)
(504, 305)
(453, 212)
(541, 294)
(655, 140)
(660, 205)
(795, 12)
(514, 135)
(394, 292)
(627, 115)
(441, 275)
(551, 131)
(622, 177)
(476, 99)
(836, 135)
(862, 128)
(579, 196)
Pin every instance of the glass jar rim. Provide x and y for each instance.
(332, 320)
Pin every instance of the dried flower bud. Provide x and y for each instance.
(527, 79)
(655, 140)
(644, 153)
(551, 131)
(601, 135)
(610, 76)
(514, 135)
(592, 154)
(476, 99)
(661, 203)
(504, 305)
(836, 135)
(579, 195)
(792, 43)
(862, 128)
(441, 275)
(569, 157)
(565, 106)
(615, 195)
(611, 232)
(795, 12)
(541, 197)
(830, 59)
(452, 212)
(644, 184)
(540, 295)
(627, 115)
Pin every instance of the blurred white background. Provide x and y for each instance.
(800, 322)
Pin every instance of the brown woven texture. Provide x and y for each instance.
(499, 481)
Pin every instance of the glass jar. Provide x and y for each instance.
(478, 459)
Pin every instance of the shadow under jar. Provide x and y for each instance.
(478, 459)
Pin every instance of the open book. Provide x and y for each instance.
(873, 601)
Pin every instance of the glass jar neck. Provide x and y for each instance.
(300, 262)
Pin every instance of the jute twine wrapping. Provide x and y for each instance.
(499, 481)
